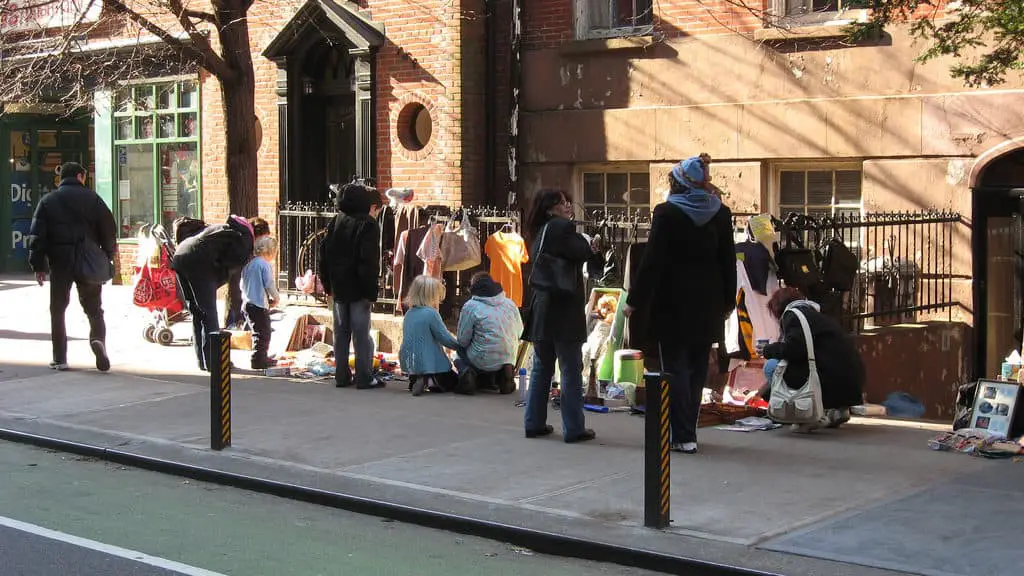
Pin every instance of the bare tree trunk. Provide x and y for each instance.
(239, 98)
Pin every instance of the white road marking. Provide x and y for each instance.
(139, 557)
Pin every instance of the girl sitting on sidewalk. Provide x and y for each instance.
(424, 337)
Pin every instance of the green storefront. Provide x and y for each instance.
(140, 145)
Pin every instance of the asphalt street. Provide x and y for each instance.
(26, 554)
(65, 515)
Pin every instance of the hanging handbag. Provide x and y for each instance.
(551, 273)
(460, 246)
(802, 405)
(839, 265)
(798, 266)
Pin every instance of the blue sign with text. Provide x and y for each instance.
(19, 238)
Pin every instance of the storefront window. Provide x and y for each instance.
(156, 141)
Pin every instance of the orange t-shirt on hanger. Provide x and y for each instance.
(507, 252)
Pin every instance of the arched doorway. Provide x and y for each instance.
(998, 255)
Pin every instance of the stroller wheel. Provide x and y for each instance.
(149, 333)
(164, 336)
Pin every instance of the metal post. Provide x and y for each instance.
(657, 476)
(219, 364)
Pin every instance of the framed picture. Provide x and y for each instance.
(995, 404)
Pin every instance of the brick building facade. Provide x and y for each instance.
(390, 89)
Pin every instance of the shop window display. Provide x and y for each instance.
(156, 141)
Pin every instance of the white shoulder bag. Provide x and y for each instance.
(802, 405)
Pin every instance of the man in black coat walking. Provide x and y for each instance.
(687, 286)
(65, 222)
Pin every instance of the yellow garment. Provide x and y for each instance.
(746, 326)
(507, 252)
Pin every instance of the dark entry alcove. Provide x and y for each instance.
(325, 57)
(998, 256)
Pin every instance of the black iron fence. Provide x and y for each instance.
(905, 272)
(906, 267)
(302, 226)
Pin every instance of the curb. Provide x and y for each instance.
(539, 541)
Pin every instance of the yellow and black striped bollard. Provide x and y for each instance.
(657, 463)
(219, 364)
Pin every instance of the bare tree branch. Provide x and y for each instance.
(199, 48)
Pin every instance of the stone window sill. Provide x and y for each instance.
(609, 44)
(813, 32)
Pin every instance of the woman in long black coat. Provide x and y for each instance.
(557, 323)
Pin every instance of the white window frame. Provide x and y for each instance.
(584, 32)
(775, 203)
(612, 168)
(841, 17)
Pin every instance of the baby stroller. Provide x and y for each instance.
(156, 287)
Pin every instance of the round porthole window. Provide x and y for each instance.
(415, 127)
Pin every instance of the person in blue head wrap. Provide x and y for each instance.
(686, 286)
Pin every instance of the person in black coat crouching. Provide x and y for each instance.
(204, 263)
(839, 365)
(687, 287)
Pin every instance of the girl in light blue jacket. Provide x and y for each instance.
(424, 338)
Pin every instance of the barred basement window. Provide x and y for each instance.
(820, 193)
(616, 193)
(156, 149)
(609, 18)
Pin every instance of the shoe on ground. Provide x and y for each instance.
(263, 364)
(547, 430)
(100, 350)
(58, 366)
(374, 383)
(803, 428)
(837, 417)
(418, 386)
(467, 382)
(584, 436)
(342, 382)
(684, 447)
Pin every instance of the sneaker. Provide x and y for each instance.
(684, 447)
(58, 366)
(802, 428)
(372, 384)
(100, 350)
(838, 417)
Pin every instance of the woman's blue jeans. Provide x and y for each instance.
(570, 361)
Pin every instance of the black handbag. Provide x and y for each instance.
(839, 266)
(92, 266)
(798, 266)
(551, 273)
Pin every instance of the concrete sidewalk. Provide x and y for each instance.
(740, 501)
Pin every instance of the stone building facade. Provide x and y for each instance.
(794, 118)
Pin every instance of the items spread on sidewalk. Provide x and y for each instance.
(987, 421)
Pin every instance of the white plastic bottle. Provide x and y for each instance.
(521, 386)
